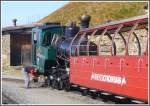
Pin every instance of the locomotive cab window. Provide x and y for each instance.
(47, 38)
(35, 37)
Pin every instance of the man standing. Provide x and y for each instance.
(27, 72)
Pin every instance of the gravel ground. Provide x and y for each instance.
(7, 100)
(36, 95)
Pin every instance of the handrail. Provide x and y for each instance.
(146, 50)
(103, 33)
(89, 42)
(124, 41)
(72, 42)
(84, 34)
(124, 21)
(139, 45)
(119, 28)
(129, 35)
(113, 37)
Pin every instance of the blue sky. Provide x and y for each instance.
(26, 11)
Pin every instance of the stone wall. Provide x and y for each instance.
(5, 52)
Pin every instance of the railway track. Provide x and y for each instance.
(7, 100)
(13, 79)
(105, 97)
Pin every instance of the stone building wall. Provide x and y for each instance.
(5, 52)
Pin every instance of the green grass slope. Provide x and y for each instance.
(100, 11)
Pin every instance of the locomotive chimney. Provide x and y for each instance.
(85, 20)
(14, 21)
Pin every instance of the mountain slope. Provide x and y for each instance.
(100, 11)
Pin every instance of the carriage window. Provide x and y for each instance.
(134, 45)
(35, 37)
(92, 46)
(142, 36)
(120, 41)
(47, 38)
(74, 46)
(82, 47)
(104, 44)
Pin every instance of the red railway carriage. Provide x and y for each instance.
(112, 57)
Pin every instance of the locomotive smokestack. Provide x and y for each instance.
(85, 20)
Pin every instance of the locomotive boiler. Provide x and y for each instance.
(98, 59)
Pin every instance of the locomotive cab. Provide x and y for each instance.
(43, 51)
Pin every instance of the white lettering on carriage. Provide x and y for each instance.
(108, 78)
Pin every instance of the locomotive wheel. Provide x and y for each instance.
(60, 85)
(50, 82)
(54, 84)
(46, 83)
(67, 86)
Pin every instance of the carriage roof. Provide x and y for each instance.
(143, 19)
